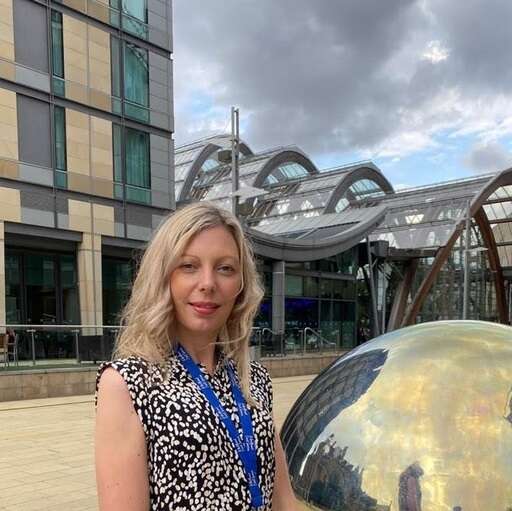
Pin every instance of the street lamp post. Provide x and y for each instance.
(235, 142)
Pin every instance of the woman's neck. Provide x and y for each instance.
(202, 352)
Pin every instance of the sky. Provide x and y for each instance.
(423, 88)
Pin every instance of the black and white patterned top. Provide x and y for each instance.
(192, 464)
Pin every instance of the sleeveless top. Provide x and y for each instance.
(192, 464)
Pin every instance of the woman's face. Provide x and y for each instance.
(205, 284)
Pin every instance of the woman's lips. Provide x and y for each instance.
(204, 310)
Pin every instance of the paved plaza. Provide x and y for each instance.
(47, 450)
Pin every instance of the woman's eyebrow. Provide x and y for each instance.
(235, 259)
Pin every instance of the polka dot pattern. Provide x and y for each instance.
(192, 464)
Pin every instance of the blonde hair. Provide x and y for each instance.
(148, 318)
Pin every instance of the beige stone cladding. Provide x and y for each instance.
(74, 35)
(7, 69)
(86, 63)
(101, 157)
(8, 132)
(89, 154)
(93, 220)
(99, 68)
(10, 205)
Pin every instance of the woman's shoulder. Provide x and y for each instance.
(259, 374)
(133, 365)
(138, 374)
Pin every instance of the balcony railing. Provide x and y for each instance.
(54, 346)
(296, 341)
(42, 346)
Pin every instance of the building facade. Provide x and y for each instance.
(346, 255)
(86, 152)
(88, 170)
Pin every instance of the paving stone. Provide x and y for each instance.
(47, 445)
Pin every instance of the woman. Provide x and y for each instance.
(184, 419)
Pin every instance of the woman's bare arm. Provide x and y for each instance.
(120, 448)
(284, 498)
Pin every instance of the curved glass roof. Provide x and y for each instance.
(366, 188)
(285, 172)
(291, 200)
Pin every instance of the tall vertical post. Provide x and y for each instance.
(465, 308)
(235, 138)
(375, 322)
(278, 302)
(384, 288)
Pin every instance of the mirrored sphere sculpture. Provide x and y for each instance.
(419, 419)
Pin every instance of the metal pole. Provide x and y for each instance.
(510, 303)
(235, 134)
(375, 322)
(465, 308)
(384, 311)
(33, 347)
(77, 348)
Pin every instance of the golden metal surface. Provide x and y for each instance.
(418, 419)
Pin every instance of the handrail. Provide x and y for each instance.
(266, 329)
(322, 339)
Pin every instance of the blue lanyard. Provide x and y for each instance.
(244, 444)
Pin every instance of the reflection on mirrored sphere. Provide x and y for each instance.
(416, 420)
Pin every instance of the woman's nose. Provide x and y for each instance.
(207, 280)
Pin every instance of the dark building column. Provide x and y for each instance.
(278, 294)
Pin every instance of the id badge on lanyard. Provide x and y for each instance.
(243, 444)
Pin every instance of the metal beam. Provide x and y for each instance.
(402, 293)
(494, 263)
(501, 179)
(441, 257)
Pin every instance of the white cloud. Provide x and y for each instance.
(435, 52)
(310, 73)
(488, 157)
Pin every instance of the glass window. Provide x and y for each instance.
(136, 145)
(57, 46)
(330, 321)
(136, 82)
(263, 318)
(69, 289)
(57, 54)
(311, 287)
(135, 17)
(13, 289)
(338, 289)
(350, 290)
(131, 162)
(294, 285)
(59, 140)
(137, 9)
(348, 316)
(117, 284)
(267, 282)
(301, 313)
(41, 288)
(326, 288)
(40, 284)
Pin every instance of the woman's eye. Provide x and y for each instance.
(187, 266)
(227, 269)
